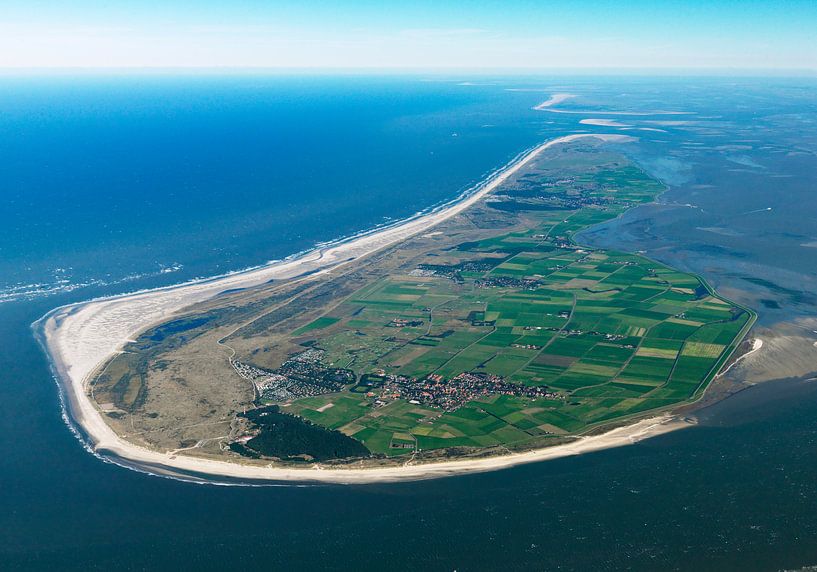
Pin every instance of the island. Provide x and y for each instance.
(479, 335)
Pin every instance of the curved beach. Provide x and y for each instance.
(79, 338)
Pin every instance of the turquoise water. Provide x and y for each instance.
(114, 184)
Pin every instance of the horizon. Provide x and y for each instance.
(464, 284)
(517, 35)
(452, 73)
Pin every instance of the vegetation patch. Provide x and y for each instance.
(291, 438)
(509, 334)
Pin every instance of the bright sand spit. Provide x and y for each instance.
(603, 123)
(554, 99)
(79, 338)
(558, 98)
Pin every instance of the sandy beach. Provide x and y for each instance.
(757, 345)
(557, 98)
(603, 123)
(554, 99)
(181, 466)
(79, 338)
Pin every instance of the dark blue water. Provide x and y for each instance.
(110, 179)
(113, 184)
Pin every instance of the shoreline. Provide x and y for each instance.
(81, 337)
(554, 99)
(557, 98)
(757, 344)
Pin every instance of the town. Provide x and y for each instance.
(304, 375)
(451, 394)
(300, 376)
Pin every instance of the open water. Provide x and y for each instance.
(110, 184)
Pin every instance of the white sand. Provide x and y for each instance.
(757, 344)
(555, 99)
(670, 123)
(81, 337)
(178, 464)
(603, 123)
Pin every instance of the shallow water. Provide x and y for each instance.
(86, 166)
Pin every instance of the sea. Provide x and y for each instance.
(113, 183)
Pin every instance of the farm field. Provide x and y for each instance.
(522, 336)
(495, 330)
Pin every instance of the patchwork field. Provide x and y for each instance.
(496, 331)
(609, 334)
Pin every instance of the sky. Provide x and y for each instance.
(415, 34)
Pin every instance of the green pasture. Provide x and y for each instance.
(612, 334)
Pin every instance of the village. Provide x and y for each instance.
(451, 394)
(300, 376)
(304, 375)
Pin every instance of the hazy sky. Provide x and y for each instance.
(409, 34)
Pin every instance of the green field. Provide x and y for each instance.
(611, 334)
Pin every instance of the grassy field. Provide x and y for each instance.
(612, 334)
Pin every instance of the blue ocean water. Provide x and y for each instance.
(114, 183)
(110, 179)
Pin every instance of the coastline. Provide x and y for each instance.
(554, 99)
(81, 337)
(557, 98)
